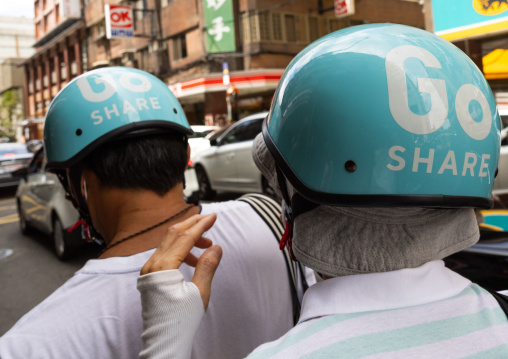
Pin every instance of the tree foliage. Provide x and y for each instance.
(10, 113)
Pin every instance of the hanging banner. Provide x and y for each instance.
(119, 21)
(344, 8)
(70, 9)
(219, 26)
(463, 19)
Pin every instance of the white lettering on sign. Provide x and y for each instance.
(429, 165)
(432, 121)
(218, 29)
(216, 4)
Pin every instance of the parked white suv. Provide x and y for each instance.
(228, 165)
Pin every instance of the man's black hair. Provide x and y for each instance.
(151, 162)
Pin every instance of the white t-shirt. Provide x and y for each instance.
(424, 312)
(97, 313)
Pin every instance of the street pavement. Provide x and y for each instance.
(29, 269)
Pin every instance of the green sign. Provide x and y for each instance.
(219, 26)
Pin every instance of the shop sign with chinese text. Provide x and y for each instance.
(219, 26)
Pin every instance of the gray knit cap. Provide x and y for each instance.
(339, 241)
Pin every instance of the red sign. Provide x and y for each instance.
(120, 16)
(344, 8)
(119, 21)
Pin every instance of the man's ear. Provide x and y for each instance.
(88, 180)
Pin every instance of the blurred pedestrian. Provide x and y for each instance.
(381, 139)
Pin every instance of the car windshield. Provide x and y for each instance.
(219, 133)
(200, 134)
(14, 149)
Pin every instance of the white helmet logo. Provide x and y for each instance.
(139, 85)
(436, 88)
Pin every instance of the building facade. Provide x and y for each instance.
(16, 39)
(191, 45)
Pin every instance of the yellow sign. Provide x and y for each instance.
(490, 7)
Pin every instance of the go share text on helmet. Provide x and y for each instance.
(436, 117)
(141, 85)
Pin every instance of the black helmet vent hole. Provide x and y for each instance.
(79, 132)
(175, 111)
(350, 166)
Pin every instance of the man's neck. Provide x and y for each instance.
(126, 212)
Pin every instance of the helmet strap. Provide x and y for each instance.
(287, 237)
(89, 231)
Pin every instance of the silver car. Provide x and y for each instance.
(228, 165)
(13, 157)
(42, 205)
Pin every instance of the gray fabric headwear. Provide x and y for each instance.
(339, 241)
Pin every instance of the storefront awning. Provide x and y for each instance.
(248, 82)
(495, 65)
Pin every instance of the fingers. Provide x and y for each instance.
(178, 242)
(205, 269)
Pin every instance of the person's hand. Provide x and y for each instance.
(175, 249)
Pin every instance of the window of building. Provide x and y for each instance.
(63, 70)
(179, 47)
(337, 24)
(277, 27)
(273, 26)
(37, 82)
(30, 85)
(46, 22)
(117, 61)
(84, 54)
(45, 79)
(264, 26)
(139, 12)
(57, 13)
(144, 59)
(53, 75)
(164, 61)
(37, 8)
(166, 2)
(290, 24)
(313, 28)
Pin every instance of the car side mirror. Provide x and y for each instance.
(214, 142)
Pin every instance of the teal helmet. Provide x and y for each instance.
(99, 106)
(385, 115)
(106, 104)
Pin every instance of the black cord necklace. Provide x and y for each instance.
(146, 229)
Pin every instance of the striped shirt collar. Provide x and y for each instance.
(382, 291)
